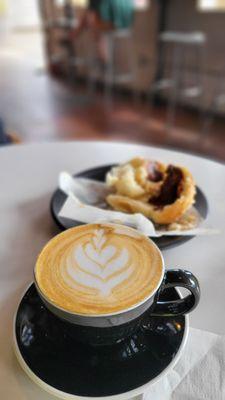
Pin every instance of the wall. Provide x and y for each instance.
(211, 4)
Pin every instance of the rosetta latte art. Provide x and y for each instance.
(98, 269)
(100, 266)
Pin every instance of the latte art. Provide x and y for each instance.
(98, 269)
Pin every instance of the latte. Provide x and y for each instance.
(98, 269)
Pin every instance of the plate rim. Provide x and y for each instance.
(67, 396)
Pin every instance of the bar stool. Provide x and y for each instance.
(111, 74)
(176, 50)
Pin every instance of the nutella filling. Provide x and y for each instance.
(170, 189)
(154, 174)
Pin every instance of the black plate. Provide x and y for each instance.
(99, 174)
(46, 349)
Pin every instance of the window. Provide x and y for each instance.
(141, 4)
(82, 3)
(211, 5)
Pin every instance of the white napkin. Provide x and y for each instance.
(198, 375)
(78, 211)
(86, 203)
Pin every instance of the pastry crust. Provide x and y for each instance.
(144, 203)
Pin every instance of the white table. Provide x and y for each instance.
(28, 176)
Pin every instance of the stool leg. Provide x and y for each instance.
(209, 112)
(161, 73)
(203, 119)
(207, 122)
(91, 66)
(172, 103)
(151, 103)
(132, 71)
(209, 117)
(110, 69)
(91, 85)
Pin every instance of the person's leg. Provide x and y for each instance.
(88, 20)
(98, 28)
(93, 22)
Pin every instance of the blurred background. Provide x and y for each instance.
(145, 71)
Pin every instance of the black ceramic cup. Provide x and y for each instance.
(115, 327)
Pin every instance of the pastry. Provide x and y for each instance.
(163, 193)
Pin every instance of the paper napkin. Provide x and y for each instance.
(198, 375)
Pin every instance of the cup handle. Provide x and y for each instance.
(177, 278)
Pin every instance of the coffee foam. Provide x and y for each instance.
(98, 269)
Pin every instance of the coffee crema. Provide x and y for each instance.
(98, 269)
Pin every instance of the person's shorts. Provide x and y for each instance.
(120, 13)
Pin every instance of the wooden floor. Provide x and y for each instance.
(39, 108)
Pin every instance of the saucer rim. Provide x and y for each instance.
(67, 396)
